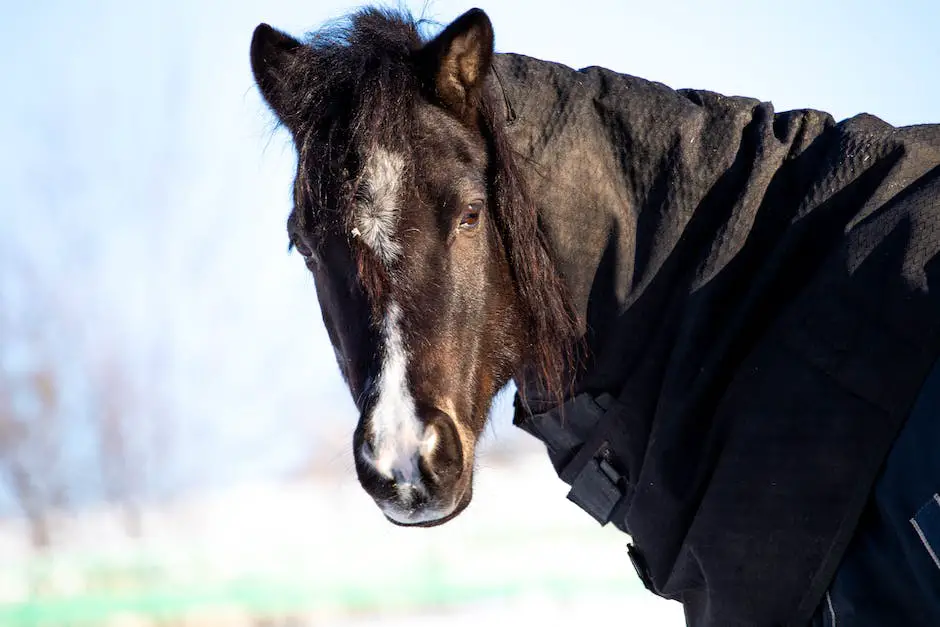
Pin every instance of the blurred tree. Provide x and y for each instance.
(129, 421)
(121, 474)
(30, 403)
(74, 429)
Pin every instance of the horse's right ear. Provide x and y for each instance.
(273, 54)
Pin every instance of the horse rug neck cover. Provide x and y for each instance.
(776, 321)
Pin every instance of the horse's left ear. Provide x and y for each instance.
(455, 63)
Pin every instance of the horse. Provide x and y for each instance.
(717, 316)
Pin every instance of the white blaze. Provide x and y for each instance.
(397, 435)
(396, 431)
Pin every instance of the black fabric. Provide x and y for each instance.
(890, 574)
(588, 447)
(762, 297)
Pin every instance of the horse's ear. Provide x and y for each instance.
(455, 63)
(272, 59)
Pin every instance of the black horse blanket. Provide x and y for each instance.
(762, 294)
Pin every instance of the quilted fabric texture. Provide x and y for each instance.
(762, 295)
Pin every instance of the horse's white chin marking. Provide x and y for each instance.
(377, 212)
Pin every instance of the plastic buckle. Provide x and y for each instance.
(597, 487)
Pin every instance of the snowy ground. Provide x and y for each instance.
(638, 612)
(320, 548)
(630, 610)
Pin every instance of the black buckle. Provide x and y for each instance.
(589, 467)
(596, 486)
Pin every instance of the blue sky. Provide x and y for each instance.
(142, 179)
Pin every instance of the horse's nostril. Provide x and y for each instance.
(442, 456)
(367, 451)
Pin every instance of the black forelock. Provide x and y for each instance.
(355, 87)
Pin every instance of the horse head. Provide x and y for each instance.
(434, 279)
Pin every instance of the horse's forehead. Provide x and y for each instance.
(448, 157)
(378, 205)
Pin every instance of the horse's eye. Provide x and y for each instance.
(301, 247)
(470, 217)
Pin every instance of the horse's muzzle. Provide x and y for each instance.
(418, 475)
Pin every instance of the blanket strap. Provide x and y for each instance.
(588, 445)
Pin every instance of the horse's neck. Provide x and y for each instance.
(620, 168)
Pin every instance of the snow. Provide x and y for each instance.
(520, 550)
